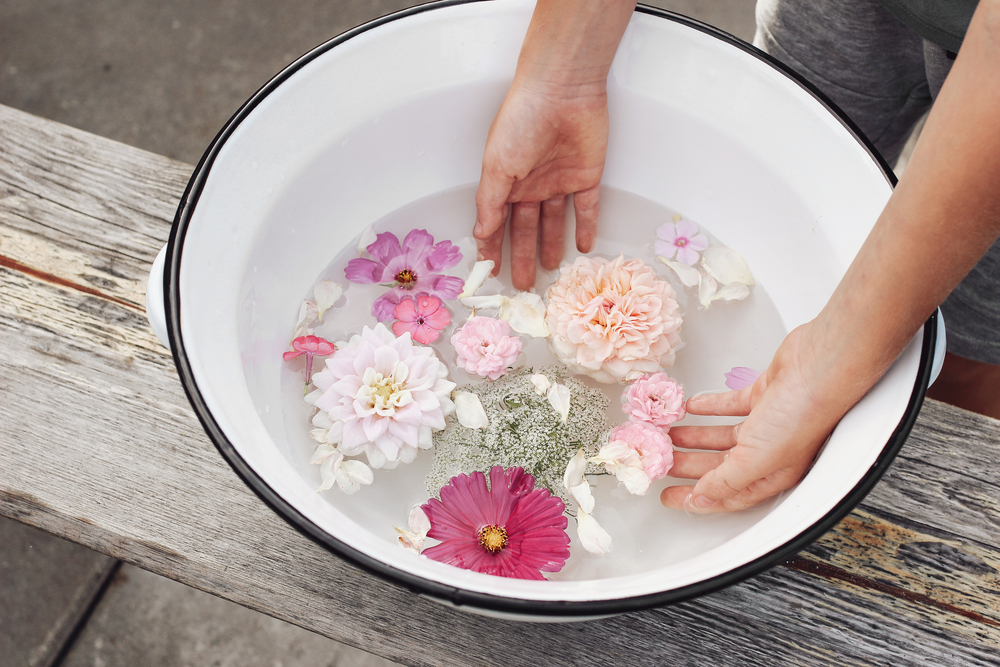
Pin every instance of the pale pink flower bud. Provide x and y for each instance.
(656, 399)
(485, 347)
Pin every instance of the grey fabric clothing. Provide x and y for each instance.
(942, 22)
(884, 76)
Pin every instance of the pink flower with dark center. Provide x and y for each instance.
(485, 347)
(423, 316)
(741, 377)
(311, 346)
(510, 529)
(681, 239)
(654, 447)
(656, 399)
(409, 269)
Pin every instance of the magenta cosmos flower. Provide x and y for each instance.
(510, 529)
(423, 316)
(681, 239)
(485, 347)
(409, 269)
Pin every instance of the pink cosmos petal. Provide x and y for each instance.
(363, 271)
(741, 377)
(384, 305)
(448, 287)
(385, 247)
(444, 256)
(417, 243)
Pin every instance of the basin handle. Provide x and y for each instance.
(155, 304)
(940, 347)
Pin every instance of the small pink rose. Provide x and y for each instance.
(656, 399)
(424, 317)
(485, 347)
(655, 449)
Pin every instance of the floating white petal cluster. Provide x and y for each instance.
(723, 276)
(388, 394)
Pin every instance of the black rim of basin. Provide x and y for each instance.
(450, 594)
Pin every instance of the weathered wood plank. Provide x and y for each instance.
(98, 444)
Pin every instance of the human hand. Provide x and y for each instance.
(790, 411)
(546, 143)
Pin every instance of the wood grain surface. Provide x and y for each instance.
(99, 445)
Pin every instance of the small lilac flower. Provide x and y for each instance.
(741, 377)
(681, 239)
(410, 268)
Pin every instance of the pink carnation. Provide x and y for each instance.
(612, 320)
(656, 399)
(655, 449)
(485, 347)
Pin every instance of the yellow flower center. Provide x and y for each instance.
(405, 277)
(493, 538)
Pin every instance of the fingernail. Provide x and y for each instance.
(701, 502)
(478, 229)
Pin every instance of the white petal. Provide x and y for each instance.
(575, 469)
(419, 523)
(307, 318)
(706, 290)
(367, 238)
(635, 479)
(525, 313)
(732, 292)
(330, 460)
(558, 397)
(352, 475)
(326, 294)
(321, 419)
(583, 496)
(480, 272)
(313, 396)
(324, 452)
(688, 274)
(469, 410)
(541, 383)
(726, 266)
(413, 539)
(484, 302)
(593, 538)
(335, 434)
(319, 434)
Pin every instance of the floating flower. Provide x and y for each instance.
(612, 320)
(410, 268)
(509, 529)
(523, 431)
(424, 317)
(656, 399)
(741, 377)
(485, 347)
(681, 239)
(637, 444)
(390, 394)
(311, 346)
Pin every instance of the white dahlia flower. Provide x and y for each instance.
(390, 395)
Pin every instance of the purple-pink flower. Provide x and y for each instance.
(741, 377)
(656, 399)
(423, 316)
(681, 239)
(409, 269)
(510, 529)
(654, 447)
(485, 347)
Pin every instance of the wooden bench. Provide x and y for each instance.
(98, 445)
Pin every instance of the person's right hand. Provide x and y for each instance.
(546, 142)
